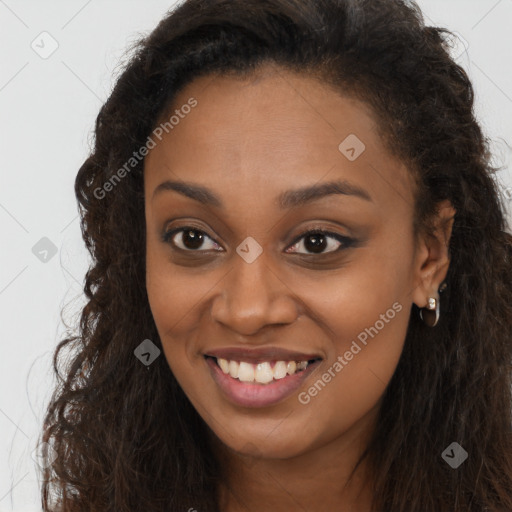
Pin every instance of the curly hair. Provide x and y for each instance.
(126, 438)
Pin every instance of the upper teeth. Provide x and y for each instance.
(261, 372)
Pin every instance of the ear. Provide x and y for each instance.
(432, 257)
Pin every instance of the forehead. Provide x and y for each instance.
(273, 130)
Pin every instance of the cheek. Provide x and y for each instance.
(364, 351)
(346, 391)
(366, 298)
(365, 322)
(173, 290)
(180, 308)
(174, 296)
(365, 315)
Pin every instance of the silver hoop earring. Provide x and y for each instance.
(430, 314)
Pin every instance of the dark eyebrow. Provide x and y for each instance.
(301, 196)
(197, 192)
(288, 199)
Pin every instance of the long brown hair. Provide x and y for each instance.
(126, 437)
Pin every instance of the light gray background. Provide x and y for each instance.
(48, 107)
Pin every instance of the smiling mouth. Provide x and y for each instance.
(263, 372)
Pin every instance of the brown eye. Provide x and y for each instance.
(316, 241)
(190, 239)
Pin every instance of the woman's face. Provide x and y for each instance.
(242, 169)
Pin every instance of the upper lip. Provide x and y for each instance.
(258, 355)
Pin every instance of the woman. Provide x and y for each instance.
(300, 295)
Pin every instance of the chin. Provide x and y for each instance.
(279, 445)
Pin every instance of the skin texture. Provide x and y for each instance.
(248, 140)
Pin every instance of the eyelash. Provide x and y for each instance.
(345, 242)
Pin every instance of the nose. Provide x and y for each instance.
(253, 296)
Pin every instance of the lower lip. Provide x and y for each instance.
(254, 394)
